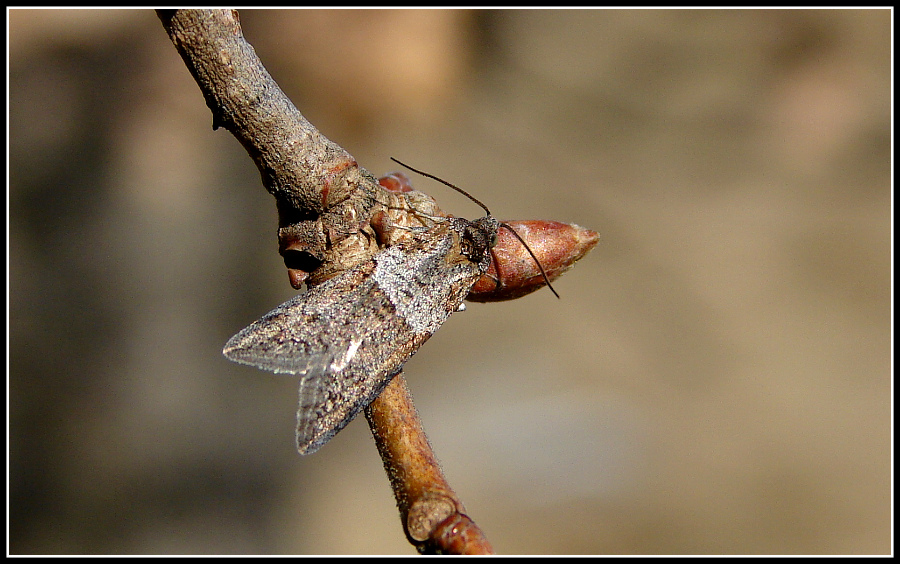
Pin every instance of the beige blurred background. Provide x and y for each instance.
(715, 379)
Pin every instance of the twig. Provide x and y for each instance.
(325, 203)
(433, 516)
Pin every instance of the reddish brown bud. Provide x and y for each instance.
(396, 182)
(297, 277)
(514, 273)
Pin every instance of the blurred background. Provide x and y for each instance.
(715, 379)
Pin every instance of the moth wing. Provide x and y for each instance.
(278, 341)
(347, 337)
(343, 342)
(311, 434)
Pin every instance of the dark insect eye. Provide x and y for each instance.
(301, 260)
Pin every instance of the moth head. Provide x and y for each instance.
(477, 238)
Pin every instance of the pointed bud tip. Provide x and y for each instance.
(513, 272)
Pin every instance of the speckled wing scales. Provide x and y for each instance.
(347, 337)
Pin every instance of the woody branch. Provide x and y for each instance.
(324, 199)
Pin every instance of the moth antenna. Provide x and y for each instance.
(444, 182)
(536, 261)
(487, 211)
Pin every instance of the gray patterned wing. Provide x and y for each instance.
(347, 337)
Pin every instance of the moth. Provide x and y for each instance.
(348, 336)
